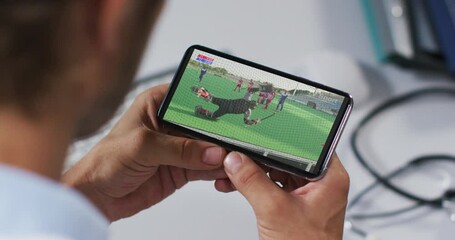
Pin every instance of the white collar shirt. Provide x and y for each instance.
(35, 208)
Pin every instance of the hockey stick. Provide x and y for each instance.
(269, 116)
(262, 119)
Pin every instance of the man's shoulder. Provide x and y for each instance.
(35, 237)
(32, 204)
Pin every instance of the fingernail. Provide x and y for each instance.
(212, 156)
(233, 162)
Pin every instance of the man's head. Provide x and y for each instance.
(77, 56)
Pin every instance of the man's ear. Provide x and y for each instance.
(103, 21)
(117, 34)
(113, 21)
(94, 33)
(111, 14)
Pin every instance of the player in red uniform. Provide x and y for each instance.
(239, 84)
(250, 85)
(270, 97)
(262, 97)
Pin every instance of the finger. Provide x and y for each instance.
(264, 168)
(224, 185)
(283, 180)
(143, 110)
(160, 149)
(289, 182)
(206, 175)
(251, 181)
(178, 177)
(149, 102)
(279, 176)
(336, 176)
(335, 183)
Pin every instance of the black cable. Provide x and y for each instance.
(375, 184)
(385, 180)
(410, 165)
(391, 213)
(357, 230)
(417, 162)
(436, 202)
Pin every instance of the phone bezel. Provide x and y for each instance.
(330, 144)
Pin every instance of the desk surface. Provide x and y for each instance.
(279, 34)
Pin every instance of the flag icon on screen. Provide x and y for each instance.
(204, 59)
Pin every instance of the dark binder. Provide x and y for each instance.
(442, 15)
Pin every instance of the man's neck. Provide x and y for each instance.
(39, 146)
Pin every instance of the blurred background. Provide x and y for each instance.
(376, 50)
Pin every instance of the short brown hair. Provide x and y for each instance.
(28, 52)
(35, 45)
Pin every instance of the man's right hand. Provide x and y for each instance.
(297, 210)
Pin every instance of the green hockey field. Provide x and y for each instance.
(297, 130)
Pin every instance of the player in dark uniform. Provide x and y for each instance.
(283, 97)
(202, 74)
(226, 106)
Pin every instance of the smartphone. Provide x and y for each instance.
(280, 120)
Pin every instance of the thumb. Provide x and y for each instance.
(251, 181)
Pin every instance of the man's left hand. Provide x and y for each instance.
(139, 163)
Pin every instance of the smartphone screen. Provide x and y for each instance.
(281, 120)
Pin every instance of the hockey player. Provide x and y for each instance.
(239, 84)
(250, 86)
(226, 106)
(283, 97)
(270, 97)
(202, 73)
